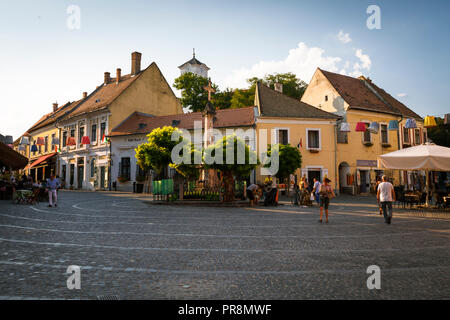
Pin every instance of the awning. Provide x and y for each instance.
(41, 159)
(10, 158)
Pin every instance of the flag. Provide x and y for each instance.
(300, 144)
(105, 139)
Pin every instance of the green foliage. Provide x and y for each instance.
(193, 95)
(292, 86)
(222, 99)
(219, 150)
(189, 170)
(243, 98)
(440, 135)
(156, 154)
(290, 159)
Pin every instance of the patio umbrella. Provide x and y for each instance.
(428, 157)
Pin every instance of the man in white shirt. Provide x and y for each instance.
(386, 195)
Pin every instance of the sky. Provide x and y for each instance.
(48, 54)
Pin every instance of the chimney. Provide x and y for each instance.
(107, 77)
(55, 106)
(118, 75)
(278, 87)
(136, 62)
(84, 95)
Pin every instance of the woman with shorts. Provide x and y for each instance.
(325, 193)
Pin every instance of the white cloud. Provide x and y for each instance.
(364, 63)
(302, 61)
(344, 37)
(402, 95)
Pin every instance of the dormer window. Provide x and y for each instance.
(326, 98)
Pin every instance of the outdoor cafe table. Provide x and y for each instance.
(412, 198)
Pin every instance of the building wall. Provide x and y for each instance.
(321, 94)
(319, 90)
(323, 160)
(149, 94)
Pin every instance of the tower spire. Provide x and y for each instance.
(193, 52)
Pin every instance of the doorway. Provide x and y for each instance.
(365, 181)
(80, 176)
(102, 177)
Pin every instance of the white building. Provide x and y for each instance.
(194, 66)
(84, 161)
(133, 132)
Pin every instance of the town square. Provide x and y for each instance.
(309, 165)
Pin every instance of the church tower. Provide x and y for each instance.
(194, 66)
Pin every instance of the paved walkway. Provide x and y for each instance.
(138, 251)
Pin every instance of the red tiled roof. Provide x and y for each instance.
(54, 116)
(104, 95)
(140, 123)
(358, 95)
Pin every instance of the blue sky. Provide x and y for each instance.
(43, 61)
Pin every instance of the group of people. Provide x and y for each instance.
(50, 185)
(322, 193)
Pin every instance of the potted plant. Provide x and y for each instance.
(122, 179)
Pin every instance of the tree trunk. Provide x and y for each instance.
(228, 181)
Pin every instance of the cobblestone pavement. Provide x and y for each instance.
(139, 251)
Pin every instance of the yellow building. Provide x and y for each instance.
(285, 120)
(44, 142)
(361, 100)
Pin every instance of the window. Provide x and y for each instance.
(64, 138)
(283, 136)
(53, 141)
(46, 144)
(405, 135)
(424, 136)
(384, 133)
(326, 98)
(72, 133)
(102, 130)
(313, 139)
(366, 135)
(94, 132)
(124, 168)
(80, 134)
(417, 136)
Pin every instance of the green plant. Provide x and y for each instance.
(123, 179)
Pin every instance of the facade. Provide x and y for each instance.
(85, 152)
(194, 66)
(44, 139)
(361, 100)
(284, 120)
(133, 131)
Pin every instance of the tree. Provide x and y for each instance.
(290, 159)
(292, 86)
(231, 157)
(193, 95)
(156, 154)
(440, 134)
(243, 98)
(222, 99)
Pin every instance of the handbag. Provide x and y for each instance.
(312, 197)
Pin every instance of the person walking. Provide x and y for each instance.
(378, 200)
(386, 195)
(51, 187)
(315, 190)
(326, 193)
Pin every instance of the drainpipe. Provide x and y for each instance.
(109, 166)
(335, 159)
